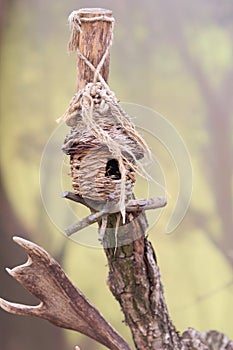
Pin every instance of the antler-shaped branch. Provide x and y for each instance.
(61, 302)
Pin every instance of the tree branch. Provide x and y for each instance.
(106, 208)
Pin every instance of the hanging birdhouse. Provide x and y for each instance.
(103, 145)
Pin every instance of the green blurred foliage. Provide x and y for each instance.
(38, 79)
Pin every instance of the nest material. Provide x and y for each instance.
(96, 176)
(103, 145)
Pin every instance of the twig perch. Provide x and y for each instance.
(134, 205)
(61, 303)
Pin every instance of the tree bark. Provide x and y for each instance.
(91, 38)
(134, 279)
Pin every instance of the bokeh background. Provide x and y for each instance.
(174, 56)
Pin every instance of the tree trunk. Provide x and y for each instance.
(134, 279)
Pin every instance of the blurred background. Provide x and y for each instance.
(174, 56)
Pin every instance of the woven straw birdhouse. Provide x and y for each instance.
(103, 145)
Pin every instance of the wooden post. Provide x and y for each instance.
(92, 41)
(134, 277)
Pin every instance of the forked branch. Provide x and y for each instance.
(61, 303)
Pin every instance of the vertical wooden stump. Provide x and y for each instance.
(134, 277)
(92, 41)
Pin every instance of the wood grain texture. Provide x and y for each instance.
(135, 281)
(93, 41)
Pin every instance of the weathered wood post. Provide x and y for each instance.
(134, 277)
(91, 35)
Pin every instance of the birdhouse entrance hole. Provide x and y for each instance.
(112, 169)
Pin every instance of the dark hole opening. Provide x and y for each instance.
(112, 169)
